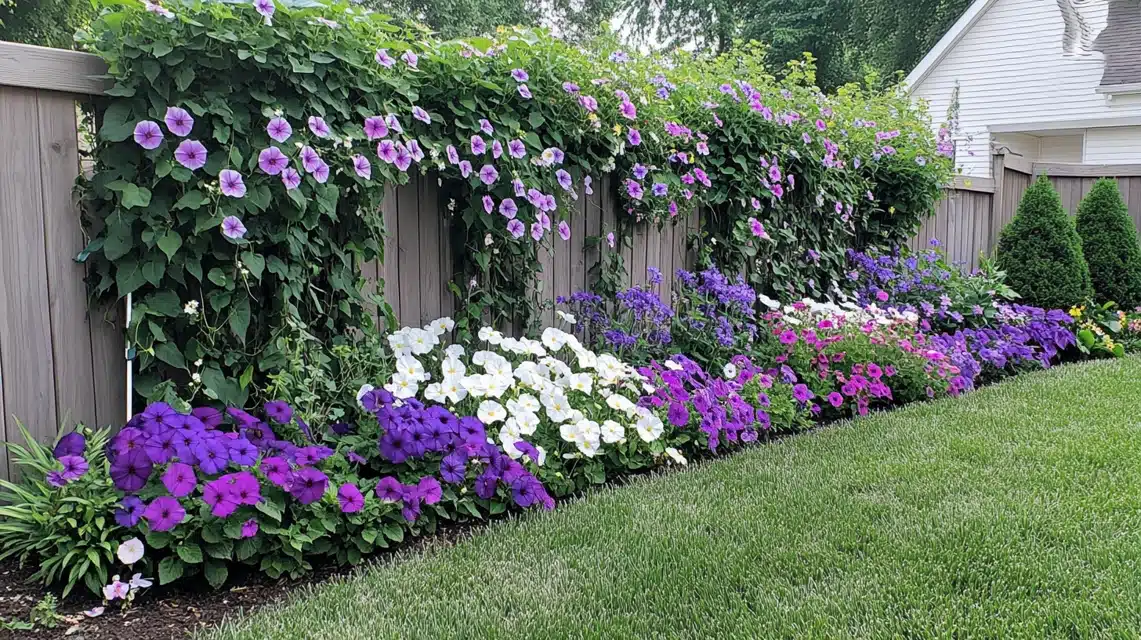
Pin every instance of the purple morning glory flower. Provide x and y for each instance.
(488, 175)
(452, 155)
(520, 75)
(279, 129)
(308, 485)
(71, 444)
(383, 59)
(290, 178)
(488, 204)
(524, 92)
(564, 179)
(564, 230)
(265, 8)
(536, 231)
(659, 189)
(178, 121)
(516, 149)
(465, 168)
(634, 137)
(508, 208)
(231, 183)
(634, 190)
(485, 126)
(233, 228)
(410, 58)
(362, 166)
(309, 159)
(496, 149)
(393, 123)
(386, 151)
(516, 228)
(318, 127)
(191, 154)
(374, 127)
(148, 135)
(164, 513)
(478, 146)
(403, 157)
(272, 161)
(350, 498)
(179, 479)
(421, 115)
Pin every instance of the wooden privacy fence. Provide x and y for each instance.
(970, 218)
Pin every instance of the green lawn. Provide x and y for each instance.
(1012, 512)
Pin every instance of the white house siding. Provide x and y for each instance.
(1012, 76)
(1061, 148)
(1113, 145)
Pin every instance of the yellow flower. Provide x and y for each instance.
(618, 129)
(1075, 312)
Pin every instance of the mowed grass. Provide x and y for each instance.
(1013, 512)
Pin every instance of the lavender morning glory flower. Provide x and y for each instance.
(564, 230)
(279, 129)
(383, 59)
(634, 190)
(272, 161)
(191, 154)
(318, 127)
(266, 9)
(536, 231)
(496, 149)
(233, 228)
(362, 166)
(421, 115)
(516, 228)
(231, 183)
(374, 127)
(524, 92)
(508, 208)
(393, 123)
(478, 146)
(410, 58)
(516, 149)
(290, 178)
(178, 121)
(403, 157)
(148, 135)
(485, 126)
(488, 175)
(309, 159)
(385, 150)
(520, 75)
(465, 168)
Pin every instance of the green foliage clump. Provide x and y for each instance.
(1109, 243)
(1041, 252)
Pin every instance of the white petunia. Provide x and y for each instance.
(454, 351)
(619, 402)
(422, 341)
(590, 429)
(509, 431)
(402, 386)
(527, 402)
(649, 428)
(542, 455)
(729, 371)
(588, 447)
(673, 366)
(498, 385)
(570, 432)
(454, 391)
(676, 455)
(440, 326)
(485, 333)
(139, 582)
(566, 317)
(131, 551)
(581, 382)
(612, 432)
(476, 385)
(452, 366)
(527, 422)
(400, 342)
(490, 412)
(768, 302)
(435, 392)
(508, 446)
(557, 406)
(364, 390)
(553, 339)
(411, 367)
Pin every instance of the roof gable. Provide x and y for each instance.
(948, 41)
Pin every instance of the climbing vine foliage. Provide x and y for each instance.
(245, 149)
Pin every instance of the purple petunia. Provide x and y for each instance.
(164, 513)
(130, 511)
(148, 135)
(279, 411)
(179, 479)
(71, 444)
(276, 470)
(628, 110)
(178, 121)
(131, 470)
(389, 489)
(308, 485)
(350, 498)
(634, 137)
(249, 528)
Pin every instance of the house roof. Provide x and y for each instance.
(948, 41)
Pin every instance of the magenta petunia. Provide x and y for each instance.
(628, 110)
(488, 204)
(634, 137)
(272, 161)
(179, 479)
(191, 154)
(516, 228)
(249, 528)
(421, 115)
(318, 126)
(148, 135)
(290, 178)
(383, 59)
(233, 228)
(350, 498)
(516, 149)
(508, 208)
(362, 166)
(279, 129)
(178, 121)
(374, 127)
(429, 490)
(758, 229)
(488, 175)
(231, 183)
(164, 513)
(308, 485)
(564, 230)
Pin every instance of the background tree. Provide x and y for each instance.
(49, 23)
(571, 19)
(1041, 252)
(1109, 243)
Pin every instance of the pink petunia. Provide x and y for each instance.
(178, 121)
(148, 135)
(231, 183)
(191, 154)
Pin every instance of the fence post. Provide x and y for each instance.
(998, 174)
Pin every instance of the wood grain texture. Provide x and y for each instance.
(408, 247)
(430, 274)
(67, 295)
(109, 364)
(23, 65)
(25, 322)
(390, 263)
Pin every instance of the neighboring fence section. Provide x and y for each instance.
(970, 218)
(58, 362)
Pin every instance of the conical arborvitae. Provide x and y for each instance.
(1041, 252)
(1109, 242)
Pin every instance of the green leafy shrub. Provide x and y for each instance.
(1109, 243)
(69, 530)
(1041, 252)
